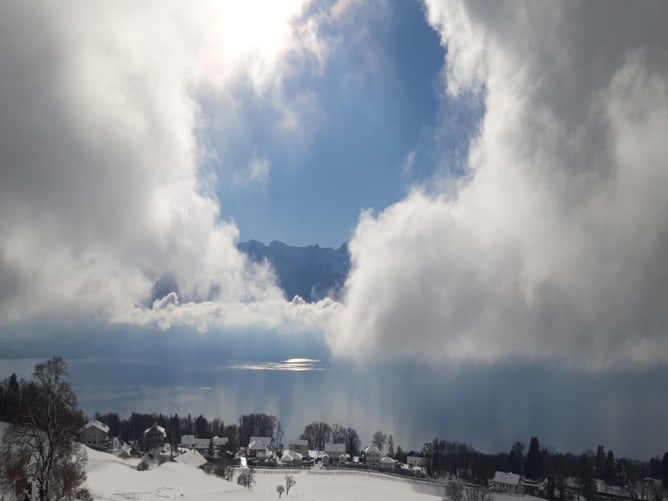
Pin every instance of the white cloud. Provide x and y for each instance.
(277, 313)
(101, 190)
(554, 246)
(409, 162)
(259, 170)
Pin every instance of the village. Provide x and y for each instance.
(263, 454)
(261, 451)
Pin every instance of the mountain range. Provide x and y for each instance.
(312, 272)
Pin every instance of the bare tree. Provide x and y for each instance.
(280, 489)
(339, 434)
(317, 434)
(352, 442)
(246, 478)
(13, 475)
(289, 482)
(656, 491)
(41, 447)
(228, 473)
(278, 434)
(454, 491)
(379, 440)
(477, 493)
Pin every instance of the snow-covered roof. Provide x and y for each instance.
(501, 477)
(266, 441)
(387, 460)
(159, 428)
(191, 458)
(372, 450)
(256, 445)
(290, 457)
(220, 440)
(202, 443)
(97, 424)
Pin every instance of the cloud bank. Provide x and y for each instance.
(102, 186)
(550, 247)
(553, 245)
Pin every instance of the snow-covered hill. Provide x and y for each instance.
(110, 478)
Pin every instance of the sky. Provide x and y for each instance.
(497, 169)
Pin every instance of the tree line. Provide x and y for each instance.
(131, 429)
(463, 461)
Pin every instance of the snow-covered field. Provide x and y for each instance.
(110, 478)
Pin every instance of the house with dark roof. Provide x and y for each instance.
(259, 447)
(300, 446)
(372, 456)
(154, 439)
(95, 433)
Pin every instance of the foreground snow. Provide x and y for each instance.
(110, 478)
(346, 486)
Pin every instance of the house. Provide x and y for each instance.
(202, 444)
(154, 439)
(300, 446)
(258, 447)
(535, 488)
(506, 482)
(372, 456)
(291, 458)
(220, 441)
(95, 433)
(334, 450)
(387, 463)
(191, 458)
(266, 441)
(416, 461)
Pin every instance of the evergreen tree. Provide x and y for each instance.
(174, 431)
(609, 471)
(664, 470)
(587, 482)
(600, 462)
(201, 427)
(12, 399)
(400, 454)
(390, 446)
(534, 465)
(516, 458)
(655, 467)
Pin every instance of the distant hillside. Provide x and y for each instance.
(311, 272)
